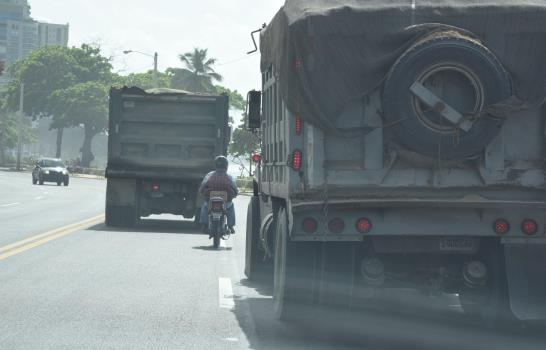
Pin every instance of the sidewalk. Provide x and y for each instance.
(86, 176)
(12, 170)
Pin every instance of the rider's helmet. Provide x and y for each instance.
(221, 163)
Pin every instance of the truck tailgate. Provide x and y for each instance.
(166, 131)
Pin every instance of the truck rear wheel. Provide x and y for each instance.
(120, 216)
(294, 274)
(255, 266)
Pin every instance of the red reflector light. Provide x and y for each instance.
(256, 158)
(336, 225)
(501, 226)
(310, 225)
(155, 187)
(298, 125)
(297, 160)
(363, 225)
(529, 227)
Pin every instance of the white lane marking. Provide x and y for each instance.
(38, 198)
(10, 204)
(225, 293)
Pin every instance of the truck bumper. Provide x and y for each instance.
(526, 276)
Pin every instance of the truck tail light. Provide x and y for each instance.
(336, 225)
(529, 227)
(310, 225)
(501, 226)
(363, 225)
(298, 125)
(155, 187)
(297, 158)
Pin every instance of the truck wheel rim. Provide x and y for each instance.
(457, 85)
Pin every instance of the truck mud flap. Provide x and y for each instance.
(526, 275)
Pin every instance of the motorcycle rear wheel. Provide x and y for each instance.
(216, 234)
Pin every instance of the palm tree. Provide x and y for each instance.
(198, 76)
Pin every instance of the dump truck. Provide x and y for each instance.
(403, 146)
(161, 143)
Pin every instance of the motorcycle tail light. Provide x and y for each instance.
(217, 206)
(155, 187)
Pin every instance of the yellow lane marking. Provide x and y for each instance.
(38, 240)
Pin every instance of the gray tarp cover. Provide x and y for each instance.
(331, 51)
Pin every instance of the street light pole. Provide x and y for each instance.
(156, 79)
(155, 57)
(20, 131)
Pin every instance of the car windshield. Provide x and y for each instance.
(52, 163)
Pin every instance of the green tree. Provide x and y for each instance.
(83, 104)
(144, 81)
(51, 69)
(198, 74)
(243, 144)
(9, 131)
(236, 100)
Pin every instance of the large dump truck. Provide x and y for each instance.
(161, 143)
(403, 146)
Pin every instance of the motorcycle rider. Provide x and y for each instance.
(219, 180)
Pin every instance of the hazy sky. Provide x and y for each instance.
(169, 27)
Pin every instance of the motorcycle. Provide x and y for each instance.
(218, 216)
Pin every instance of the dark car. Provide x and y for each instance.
(50, 170)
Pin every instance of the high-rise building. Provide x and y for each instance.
(50, 34)
(20, 34)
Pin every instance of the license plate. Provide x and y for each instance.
(457, 245)
(156, 195)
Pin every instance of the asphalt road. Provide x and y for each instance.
(161, 286)
(26, 209)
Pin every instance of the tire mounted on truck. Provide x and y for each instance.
(465, 75)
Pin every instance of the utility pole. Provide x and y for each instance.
(156, 79)
(20, 131)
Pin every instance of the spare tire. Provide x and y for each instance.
(464, 75)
